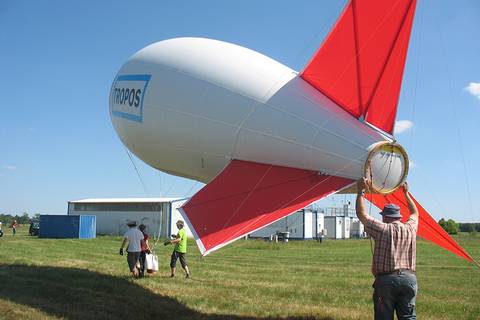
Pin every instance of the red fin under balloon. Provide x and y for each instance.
(248, 196)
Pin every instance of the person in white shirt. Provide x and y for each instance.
(134, 238)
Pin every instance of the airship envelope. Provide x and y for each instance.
(266, 139)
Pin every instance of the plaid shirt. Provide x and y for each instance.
(395, 245)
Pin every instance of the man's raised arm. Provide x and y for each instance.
(411, 204)
(360, 204)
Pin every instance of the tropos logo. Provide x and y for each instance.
(126, 97)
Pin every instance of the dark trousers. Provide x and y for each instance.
(142, 259)
(178, 255)
(132, 259)
(395, 292)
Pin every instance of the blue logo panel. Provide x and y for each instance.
(127, 96)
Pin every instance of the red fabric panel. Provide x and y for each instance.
(388, 89)
(378, 26)
(360, 64)
(247, 196)
(428, 228)
(333, 69)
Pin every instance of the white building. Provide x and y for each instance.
(346, 227)
(158, 214)
(313, 222)
(303, 224)
(357, 229)
(334, 227)
(342, 223)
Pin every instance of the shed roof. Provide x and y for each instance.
(126, 200)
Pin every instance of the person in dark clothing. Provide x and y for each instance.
(14, 227)
(145, 249)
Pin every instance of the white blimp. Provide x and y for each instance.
(266, 139)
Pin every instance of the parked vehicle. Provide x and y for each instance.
(34, 229)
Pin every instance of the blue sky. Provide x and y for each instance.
(59, 58)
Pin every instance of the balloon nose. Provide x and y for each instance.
(386, 167)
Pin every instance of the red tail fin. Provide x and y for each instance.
(360, 64)
(428, 228)
(247, 196)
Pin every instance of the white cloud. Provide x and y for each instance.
(9, 167)
(474, 89)
(402, 126)
(411, 164)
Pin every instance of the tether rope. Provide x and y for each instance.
(457, 126)
(136, 170)
(310, 43)
(157, 233)
(370, 204)
(417, 71)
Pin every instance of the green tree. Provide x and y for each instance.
(24, 219)
(443, 224)
(450, 226)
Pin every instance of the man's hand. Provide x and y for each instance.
(405, 187)
(166, 243)
(120, 252)
(362, 185)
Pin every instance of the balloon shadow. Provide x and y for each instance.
(72, 293)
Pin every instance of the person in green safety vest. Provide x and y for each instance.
(180, 250)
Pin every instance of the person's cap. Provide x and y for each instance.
(131, 223)
(391, 211)
(180, 222)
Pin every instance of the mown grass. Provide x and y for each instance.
(252, 279)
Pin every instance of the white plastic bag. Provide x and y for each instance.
(155, 262)
(151, 263)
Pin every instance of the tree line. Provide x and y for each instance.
(452, 227)
(24, 218)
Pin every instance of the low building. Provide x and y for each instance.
(342, 223)
(303, 224)
(314, 222)
(334, 227)
(357, 229)
(112, 214)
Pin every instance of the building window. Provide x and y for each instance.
(143, 206)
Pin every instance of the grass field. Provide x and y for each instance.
(249, 279)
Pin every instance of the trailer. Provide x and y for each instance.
(67, 226)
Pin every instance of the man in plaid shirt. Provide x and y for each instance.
(393, 265)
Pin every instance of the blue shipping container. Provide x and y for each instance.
(79, 227)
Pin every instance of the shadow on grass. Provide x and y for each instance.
(81, 294)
